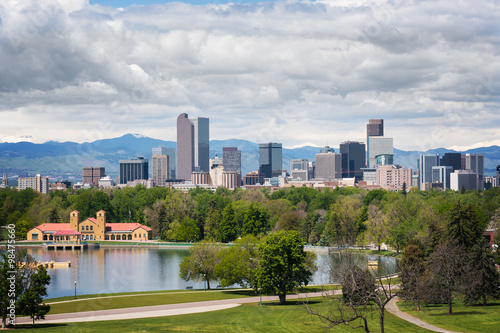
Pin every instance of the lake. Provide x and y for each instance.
(113, 270)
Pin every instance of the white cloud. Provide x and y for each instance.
(424, 66)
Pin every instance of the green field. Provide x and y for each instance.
(463, 319)
(245, 318)
(128, 300)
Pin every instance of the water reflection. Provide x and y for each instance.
(113, 270)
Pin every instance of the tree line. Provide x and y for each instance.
(326, 217)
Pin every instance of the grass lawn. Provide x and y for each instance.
(245, 318)
(463, 319)
(127, 300)
(106, 303)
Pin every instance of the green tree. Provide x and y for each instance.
(31, 302)
(201, 262)
(464, 225)
(212, 224)
(282, 264)
(289, 221)
(29, 281)
(256, 220)
(482, 279)
(188, 231)
(236, 264)
(228, 226)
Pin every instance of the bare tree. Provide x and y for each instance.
(361, 292)
(446, 271)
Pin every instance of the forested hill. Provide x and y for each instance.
(59, 157)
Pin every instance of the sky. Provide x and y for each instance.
(295, 72)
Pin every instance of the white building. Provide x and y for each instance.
(38, 183)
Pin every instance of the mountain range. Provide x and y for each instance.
(68, 158)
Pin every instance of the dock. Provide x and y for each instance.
(54, 264)
(47, 264)
(65, 246)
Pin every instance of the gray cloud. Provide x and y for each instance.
(424, 66)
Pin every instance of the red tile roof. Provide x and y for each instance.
(91, 219)
(53, 226)
(45, 227)
(125, 226)
(67, 233)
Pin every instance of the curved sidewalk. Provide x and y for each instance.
(157, 310)
(392, 307)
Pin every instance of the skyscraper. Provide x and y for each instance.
(498, 175)
(170, 152)
(441, 174)
(452, 159)
(160, 165)
(375, 127)
(328, 166)
(475, 162)
(270, 159)
(378, 145)
(193, 145)
(353, 159)
(231, 159)
(135, 169)
(425, 164)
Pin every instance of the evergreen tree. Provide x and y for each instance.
(482, 280)
(463, 226)
(228, 225)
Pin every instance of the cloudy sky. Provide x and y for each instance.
(295, 72)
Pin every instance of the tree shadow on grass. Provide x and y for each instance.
(457, 313)
(39, 326)
(242, 293)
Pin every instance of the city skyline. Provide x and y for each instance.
(95, 72)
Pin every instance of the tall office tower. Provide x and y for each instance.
(160, 169)
(374, 128)
(201, 127)
(193, 145)
(328, 166)
(231, 159)
(327, 149)
(38, 183)
(5, 181)
(353, 159)
(475, 162)
(270, 159)
(425, 164)
(463, 163)
(299, 164)
(170, 152)
(300, 169)
(172, 162)
(441, 174)
(452, 159)
(92, 175)
(498, 175)
(378, 145)
(135, 169)
(466, 179)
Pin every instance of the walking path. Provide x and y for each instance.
(197, 307)
(157, 310)
(392, 307)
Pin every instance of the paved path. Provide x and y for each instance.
(157, 310)
(393, 308)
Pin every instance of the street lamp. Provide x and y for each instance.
(205, 282)
(75, 289)
(260, 288)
